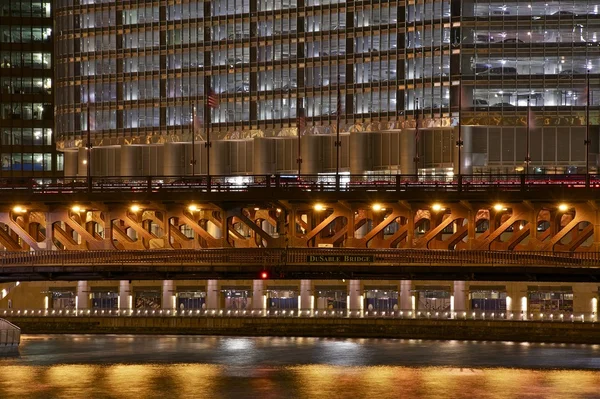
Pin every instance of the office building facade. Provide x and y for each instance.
(27, 143)
(434, 87)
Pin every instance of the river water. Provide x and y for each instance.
(137, 367)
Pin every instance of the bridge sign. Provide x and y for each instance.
(340, 258)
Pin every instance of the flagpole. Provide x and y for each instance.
(416, 157)
(300, 124)
(89, 152)
(207, 144)
(193, 161)
(338, 143)
(459, 142)
(527, 156)
(587, 125)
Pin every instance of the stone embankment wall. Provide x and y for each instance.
(567, 332)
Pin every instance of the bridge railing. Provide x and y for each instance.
(318, 183)
(558, 317)
(10, 335)
(282, 256)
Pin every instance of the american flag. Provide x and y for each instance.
(301, 120)
(213, 99)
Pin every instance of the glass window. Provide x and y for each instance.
(183, 11)
(97, 19)
(271, 5)
(382, 71)
(149, 38)
(279, 79)
(184, 36)
(230, 31)
(231, 83)
(427, 37)
(141, 117)
(428, 11)
(104, 66)
(280, 108)
(323, 105)
(187, 86)
(142, 89)
(428, 67)
(324, 76)
(325, 22)
(427, 99)
(231, 112)
(142, 15)
(185, 59)
(94, 43)
(277, 27)
(229, 7)
(231, 57)
(98, 92)
(325, 48)
(376, 16)
(142, 64)
(375, 101)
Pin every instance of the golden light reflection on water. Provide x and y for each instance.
(311, 381)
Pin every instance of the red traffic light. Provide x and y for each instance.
(264, 275)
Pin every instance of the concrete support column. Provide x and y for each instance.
(48, 242)
(124, 295)
(71, 166)
(585, 301)
(262, 164)
(310, 151)
(466, 152)
(258, 296)
(406, 298)
(460, 299)
(307, 299)
(407, 148)
(168, 291)
(356, 297)
(83, 295)
(108, 231)
(212, 295)
(516, 301)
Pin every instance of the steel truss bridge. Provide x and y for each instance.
(425, 223)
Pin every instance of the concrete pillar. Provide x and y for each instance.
(108, 231)
(307, 299)
(212, 294)
(406, 302)
(360, 157)
(460, 299)
(516, 301)
(213, 230)
(168, 292)
(258, 293)
(83, 295)
(466, 152)
(124, 294)
(407, 155)
(262, 164)
(310, 150)
(356, 297)
(585, 301)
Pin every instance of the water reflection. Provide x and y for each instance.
(213, 367)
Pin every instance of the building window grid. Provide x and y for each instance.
(443, 39)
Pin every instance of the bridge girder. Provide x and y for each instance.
(452, 225)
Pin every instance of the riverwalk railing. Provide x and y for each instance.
(557, 317)
(10, 335)
(300, 256)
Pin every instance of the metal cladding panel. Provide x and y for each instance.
(262, 151)
(577, 141)
(177, 159)
(220, 161)
(360, 159)
(285, 154)
(241, 155)
(311, 154)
